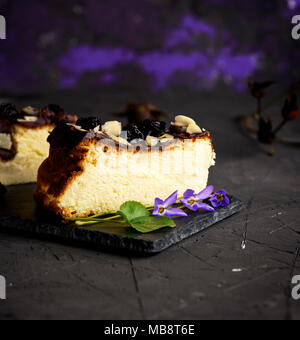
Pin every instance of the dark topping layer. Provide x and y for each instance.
(65, 135)
(7, 155)
(55, 108)
(9, 112)
(153, 128)
(67, 118)
(5, 126)
(32, 124)
(177, 130)
(136, 113)
(147, 128)
(69, 136)
(89, 123)
(133, 132)
(53, 114)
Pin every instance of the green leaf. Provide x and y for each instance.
(132, 210)
(82, 223)
(134, 214)
(147, 224)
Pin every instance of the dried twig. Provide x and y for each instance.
(265, 132)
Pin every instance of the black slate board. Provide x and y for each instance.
(18, 213)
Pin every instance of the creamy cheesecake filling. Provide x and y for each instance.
(5, 141)
(101, 176)
(31, 150)
(112, 178)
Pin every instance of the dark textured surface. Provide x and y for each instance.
(196, 279)
(19, 212)
(145, 43)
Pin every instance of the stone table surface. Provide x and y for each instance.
(208, 276)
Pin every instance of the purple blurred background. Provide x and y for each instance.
(148, 44)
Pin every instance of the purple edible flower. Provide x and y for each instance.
(220, 199)
(194, 202)
(163, 208)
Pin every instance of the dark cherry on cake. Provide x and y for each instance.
(89, 123)
(133, 132)
(54, 113)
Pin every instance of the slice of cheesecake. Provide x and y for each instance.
(94, 169)
(23, 140)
